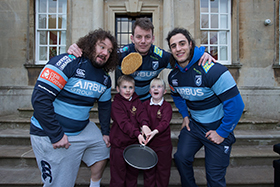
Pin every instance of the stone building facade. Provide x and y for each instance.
(252, 42)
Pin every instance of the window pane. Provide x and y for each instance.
(119, 27)
(62, 50)
(42, 21)
(214, 21)
(43, 53)
(204, 6)
(213, 38)
(204, 21)
(204, 37)
(214, 52)
(130, 27)
(63, 38)
(119, 39)
(223, 53)
(62, 8)
(214, 6)
(124, 27)
(52, 6)
(62, 22)
(52, 22)
(124, 39)
(223, 6)
(224, 21)
(53, 37)
(222, 37)
(43, 38)
(42, 4)
(52, 52)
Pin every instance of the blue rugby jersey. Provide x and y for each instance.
(209, 92)
(64, 94)
(152, 64)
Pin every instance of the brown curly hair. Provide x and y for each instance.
(88, 43)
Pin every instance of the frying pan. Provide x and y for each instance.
(140, 156)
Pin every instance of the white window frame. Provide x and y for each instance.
(61, 32)
(218, 29)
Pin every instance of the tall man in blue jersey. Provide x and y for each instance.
(154, 59)
(211, 96)
(61, 132)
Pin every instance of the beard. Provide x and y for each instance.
(96, 64)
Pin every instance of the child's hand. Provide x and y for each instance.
(146, 130)
(141, 139)
(151, 135)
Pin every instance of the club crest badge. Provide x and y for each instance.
(133, 110)
(155, 65)
(198, 80)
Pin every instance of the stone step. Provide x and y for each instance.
(249, 176)
(22, 155)
(246, 122)
(20, 136)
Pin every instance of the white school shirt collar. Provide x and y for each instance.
(152, 103)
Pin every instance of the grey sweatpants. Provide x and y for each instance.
(59, 167)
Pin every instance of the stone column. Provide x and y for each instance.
(167, 25)
(168, 20)
(98, 18)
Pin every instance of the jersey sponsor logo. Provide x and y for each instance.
(158, 51)
(87, 88)
(207, 67)
(61, 64)
(80, 73)
(143, 74)
(197, 71)
(155, 65)
(186, 92)
(198, 80)
(46, 171)
(53, 77)
(153, 57)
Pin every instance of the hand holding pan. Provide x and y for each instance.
(140, 156)
(131, 63)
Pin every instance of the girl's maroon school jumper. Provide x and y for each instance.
(128, 117)
(159, 117)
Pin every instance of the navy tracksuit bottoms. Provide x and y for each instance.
(216, 156)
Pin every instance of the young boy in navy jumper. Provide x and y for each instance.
(129, 118)
(160, 114)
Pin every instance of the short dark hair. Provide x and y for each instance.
(144, 23)
(88, 43)
(127, 78)
(187, 34)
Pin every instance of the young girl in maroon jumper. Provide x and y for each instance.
(160, 114)
(129, 118)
